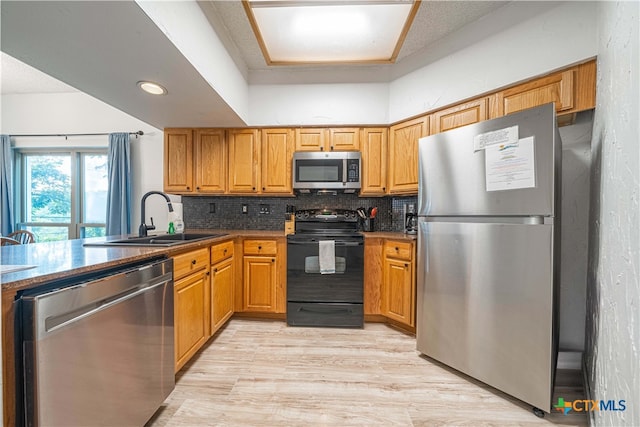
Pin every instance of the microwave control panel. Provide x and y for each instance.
(353, 170)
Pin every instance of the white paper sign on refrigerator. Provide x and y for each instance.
(510, 166)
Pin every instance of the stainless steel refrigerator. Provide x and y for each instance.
(488, 252)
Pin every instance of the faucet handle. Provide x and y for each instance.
(152, 226)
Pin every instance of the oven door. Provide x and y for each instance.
(306, 284)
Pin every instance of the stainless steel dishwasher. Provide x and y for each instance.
(99, 350)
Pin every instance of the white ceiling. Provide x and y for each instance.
(103, 48)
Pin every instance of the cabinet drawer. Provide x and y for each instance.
(221, 251)
(399, 250)
(190, 262)
(260, 247)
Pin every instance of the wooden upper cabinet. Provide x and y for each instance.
(178, 160)
(403, 155)
(558, 88)
(311, 139)
(374, 161)
(333, 139)
(344, 139)
(244, 158)
(277, 157)
(210, 161)
(460, 115)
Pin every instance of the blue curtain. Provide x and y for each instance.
(6, 185)
(119, 192)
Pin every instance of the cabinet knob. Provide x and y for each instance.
(193, 262)
(259, 248)
(197, 188)
(397, 249)
(262, 188)
(253, 188)
(406, 265)
(224, 251)
(332, 148)
(273, 260)
(384, 188)
(321, 148)
(188, 188)
(215, 270)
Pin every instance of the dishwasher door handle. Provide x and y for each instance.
(62, 320)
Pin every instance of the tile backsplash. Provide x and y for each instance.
(226, 212)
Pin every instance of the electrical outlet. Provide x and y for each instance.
(245, 208)
(265, 209)
(212, 208)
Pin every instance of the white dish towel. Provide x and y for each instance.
(327, 256)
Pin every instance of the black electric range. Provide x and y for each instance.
(325, 270)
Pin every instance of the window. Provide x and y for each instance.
(63, 194)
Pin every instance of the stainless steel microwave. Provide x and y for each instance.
(334, 170)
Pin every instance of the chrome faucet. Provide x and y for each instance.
(142, 231)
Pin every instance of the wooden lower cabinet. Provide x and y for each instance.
(398, 298)
(264, 275)
(260, 283)
(191, 315)
(372, 275)
(191, 294)
(222, 284)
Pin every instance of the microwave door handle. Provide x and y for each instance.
(345, 171)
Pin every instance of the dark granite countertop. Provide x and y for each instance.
(55, 260)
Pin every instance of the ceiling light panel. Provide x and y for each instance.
(330, 32)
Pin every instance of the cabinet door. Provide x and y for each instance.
(222, 283)
(556, 88)
(311, 139)
(374, 162)
(373, 274)
(277, 156)
(191, 322)
(397, 298)
(403, 155)
(460, 115)
(178, 160)
(210, 161)
(344, 139)
(244, 158)
(260, 283)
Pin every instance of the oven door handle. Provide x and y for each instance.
(338, 243)
(325, 310)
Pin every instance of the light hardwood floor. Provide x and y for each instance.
(264, 373)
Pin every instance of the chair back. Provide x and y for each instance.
(22, 236)
(7, 241)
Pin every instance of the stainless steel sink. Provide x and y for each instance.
(159, 240)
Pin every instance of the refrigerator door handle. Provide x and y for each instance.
(527, 220)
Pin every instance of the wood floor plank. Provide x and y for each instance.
(264, 373)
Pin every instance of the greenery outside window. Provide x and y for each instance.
(62, 194)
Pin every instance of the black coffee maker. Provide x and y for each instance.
(410, 219)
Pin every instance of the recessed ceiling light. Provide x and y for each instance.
(329, 31)
(152, 88)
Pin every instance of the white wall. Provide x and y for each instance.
(320, 104)
(80, 113)
(612, 358)
(548, 41)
